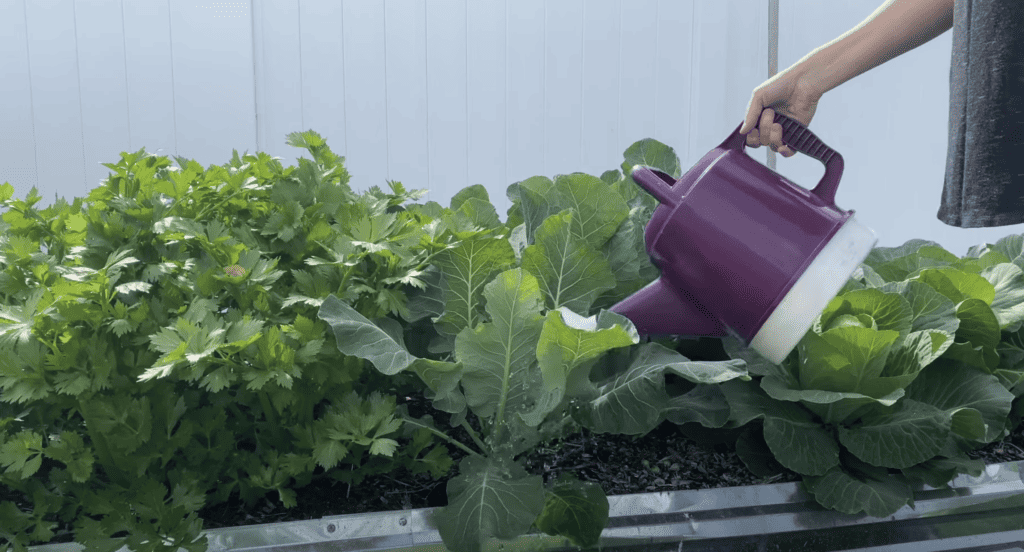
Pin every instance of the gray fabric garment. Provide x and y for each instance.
(984, 184)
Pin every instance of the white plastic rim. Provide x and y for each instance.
(812, 292)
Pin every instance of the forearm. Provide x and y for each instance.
(896, 27)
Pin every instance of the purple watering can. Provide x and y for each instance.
(743, 251)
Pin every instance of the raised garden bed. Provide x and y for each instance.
(974, 514)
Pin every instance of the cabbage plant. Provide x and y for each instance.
(915, 363)
(513, 343)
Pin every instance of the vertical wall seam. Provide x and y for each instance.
(583, 66)
(174, 107)
(255, 73)
(302, 87)
(344, 77)
(127, 81)
(544, 92)
(693, 46)
(426, 95)
(657, 48)
(387, 130)
(505, 87)
(618, 107)
(31, 95)
(465, 13)
(81, 112)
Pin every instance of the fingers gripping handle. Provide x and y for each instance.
(800, 138)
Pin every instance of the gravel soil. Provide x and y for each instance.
(664, 460)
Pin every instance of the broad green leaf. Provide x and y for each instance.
(910, 433)
(938, 471)
(357, 336)
(536, 200)
(442, 378)
(599, 209)
(428, 301)
(798, 441)
(479, 214)
(476, 191)
(467, 268)
(982, 357)
(850, 320)
(830, 406)
(757, 364)
(572, 274)
(957, 285)
(930, 310)
(1008, 304)
(1012, 247)
(517, 239)
(950, 388)
(492, 497)
(870, 277)
(911, 354)
(514, 214)
(575, 509)
(843, 359)
(747, 401)
(978, 324)
(627, 257)
(635, 401)
(890, 311)
(877, 494)
(611, 176)
(569, 340)
(500, 374)
(704, 404)
(755, 454)
(895, 264)
(651, 153)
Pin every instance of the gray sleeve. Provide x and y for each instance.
(984, 182)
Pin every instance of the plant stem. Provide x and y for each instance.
(443, 436)
(345, 277)
(473, 435)
(271, 416)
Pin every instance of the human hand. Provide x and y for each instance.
(787, 94)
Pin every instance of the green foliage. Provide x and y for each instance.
(184, 334)
(916, 362)
(160, 348)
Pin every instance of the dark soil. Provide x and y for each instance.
(664, 460)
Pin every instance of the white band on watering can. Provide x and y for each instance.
(812, 292)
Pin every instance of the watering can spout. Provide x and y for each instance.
(662, 309)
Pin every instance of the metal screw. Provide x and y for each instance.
(402, 521)
(331, 528)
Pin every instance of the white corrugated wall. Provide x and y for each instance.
(441, 94)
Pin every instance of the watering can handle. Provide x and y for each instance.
(800, 138)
